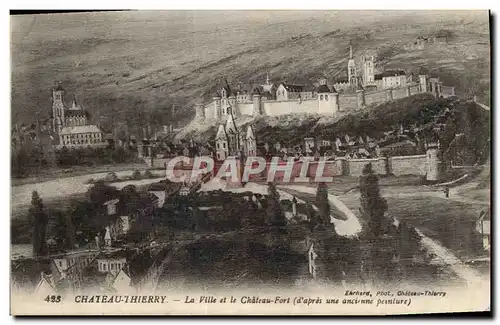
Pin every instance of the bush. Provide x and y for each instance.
(148, 174)
(111, 177)
(136, 175)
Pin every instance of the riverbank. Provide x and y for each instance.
(49, 174)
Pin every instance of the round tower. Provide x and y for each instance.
(423, 83)
(360, 98)
(216, 113)
(257, 103)
(327, 101)
(432, 162)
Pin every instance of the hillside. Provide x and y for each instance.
(128, 68)
(421, 111)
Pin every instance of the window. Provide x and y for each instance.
(229, 110)
(326, 97)
(321, 97)
(224, 145)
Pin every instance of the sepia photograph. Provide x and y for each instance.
(250, 162)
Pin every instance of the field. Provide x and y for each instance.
(449, 222)
(128, 68)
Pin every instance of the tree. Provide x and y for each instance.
(136, 174)
(100, 193)
(323, 205)
(39, 220)
(373, 206)
(276, 216)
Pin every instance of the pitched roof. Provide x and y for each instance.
(75, 112)
(390, 73)
(323, 89)
(80, 129)
(293, 88)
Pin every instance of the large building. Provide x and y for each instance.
(229, 141)
(70, 124)
(321, 98)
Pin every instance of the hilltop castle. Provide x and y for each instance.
(362, 87)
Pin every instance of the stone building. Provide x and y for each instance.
(70, 124)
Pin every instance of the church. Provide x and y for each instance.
(70, 124)
(230, 142)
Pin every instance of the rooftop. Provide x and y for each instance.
(80, 129)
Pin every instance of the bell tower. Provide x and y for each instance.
(57, 109)
(351, 69)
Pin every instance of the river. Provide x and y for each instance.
(58, 188)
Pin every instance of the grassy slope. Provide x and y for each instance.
(123, 65)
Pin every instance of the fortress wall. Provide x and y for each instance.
(407, 165)
(376, 97)
(332, 168)
(245, 108)
(275, 108)
(415, 89)
(347, 102)
(399, 93)
(355, 166)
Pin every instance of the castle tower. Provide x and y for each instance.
(351, 69)
(200, 111)
(57, 109)
(257, 103)
(423, 83)
(432, 162)
(368, 71)
(327, 98)
(216, 110)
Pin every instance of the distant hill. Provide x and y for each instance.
(129, 68)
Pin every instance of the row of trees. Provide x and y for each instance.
(27, 160)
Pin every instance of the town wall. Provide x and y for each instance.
(355, 166)
(375, 97)
(407, 165)
(295, 106)
(347, 102)
(245, 108)
(398, 166)
(398, 93)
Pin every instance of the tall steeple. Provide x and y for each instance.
(267, 78)
(351, 68)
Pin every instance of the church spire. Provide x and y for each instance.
(267, 78)
(350, 50)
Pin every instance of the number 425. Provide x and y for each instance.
(53, 298)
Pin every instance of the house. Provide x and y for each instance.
(483, 227)
(288, 91)
(46, 286)
(309, 144)
(122, 281)
(111, 206)
(392, 79)
(111, 262)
